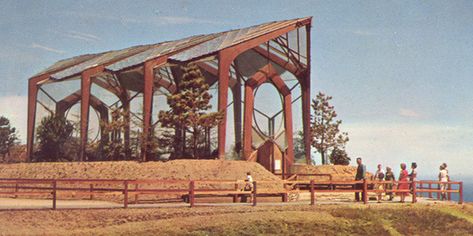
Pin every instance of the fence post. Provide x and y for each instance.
(235, 196)
(460, 192)
(312, 193)
(54, 194)
(136, 194)
(365, 191)
(449, 194)
(414, 192)
(421, 186)
(125, 194)
(284, 195)
(191, 192)
(430, 188)
(331, 185)
(91, 189)
(254, 193)
(16, 189)
(438, 193)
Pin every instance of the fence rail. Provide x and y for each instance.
(192, 189)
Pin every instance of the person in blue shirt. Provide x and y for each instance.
(360, 175)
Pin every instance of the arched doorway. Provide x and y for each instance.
(269, 153)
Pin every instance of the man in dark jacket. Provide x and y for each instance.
(360, 175)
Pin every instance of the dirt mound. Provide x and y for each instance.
(177, 169)
(338, 172)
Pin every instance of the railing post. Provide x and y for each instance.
(414, 192)
(16, 189)
(191, 192)
(331, 185)
(125, 194)
(136, 194)
(254, 193)
(91, 189)
(421, 186)
(365, 191)
(312, 193)
(235, 196)
(460, 192)
(54, 194)
(430, 188)
(449, 194)
(438, 193)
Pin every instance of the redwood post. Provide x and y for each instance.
(305, 86)
(237, 116)
(191, 193)
(125, 194)
(84, 112)
(438, 193)
(312, 193)
(289, 158)
(91, 189)
(254, 193)
(430, 188)
(414, 192)
(365, 191)
(235, 196)
(224, 61)
(16, 189)
(460, 192)
(421, 186)
(449, 194)
(147, 107)
(54, 194)
(248, 121)
(136, 193)
(32, 96)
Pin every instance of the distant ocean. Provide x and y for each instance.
(467, 187)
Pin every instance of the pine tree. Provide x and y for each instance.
(325, 130)
(188, 108)
(54, 136)
(7, 136)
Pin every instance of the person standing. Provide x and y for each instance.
(360, 175)
(403, 177)
(443, 178)
(413, 176)
(389, 177)
(378, 172)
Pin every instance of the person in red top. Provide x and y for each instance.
(403, 176)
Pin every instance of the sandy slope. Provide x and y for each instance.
(355, 219)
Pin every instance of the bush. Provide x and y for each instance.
(339, 157)
(55, 141)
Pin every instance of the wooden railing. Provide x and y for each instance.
(191, 189)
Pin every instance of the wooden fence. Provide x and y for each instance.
(130, 190)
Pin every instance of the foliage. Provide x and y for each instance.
(325, 130)
(112, 143)
(299, 151)
(7, 136)
(188, 111)
(54, 136)
(339, 157)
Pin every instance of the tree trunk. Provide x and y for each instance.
(322, 154)
(194, 142)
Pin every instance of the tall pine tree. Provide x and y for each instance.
(325, 130)
(189, 109)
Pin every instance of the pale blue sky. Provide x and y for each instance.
(400, 72)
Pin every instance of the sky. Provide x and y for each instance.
(400, 72)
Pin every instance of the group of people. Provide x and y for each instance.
(404, 179)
